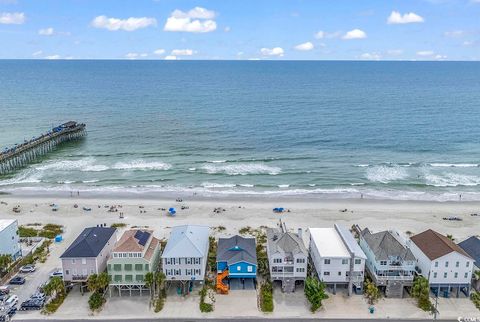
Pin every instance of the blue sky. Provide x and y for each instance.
(241, 29)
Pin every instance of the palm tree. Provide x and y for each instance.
(92, 283)
(5, 261)
(55, 287)
(149, 283)
(421, 291)
(103, 281)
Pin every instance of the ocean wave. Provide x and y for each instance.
(451, 180)
(26, 176)
(283, 185)
(455, 165)
(241, 169)
(90, 181)
(218, 161)
(386, 174)
(217, 185)
(141, 165)
(65, 165)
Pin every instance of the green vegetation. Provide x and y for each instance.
(27, 232)
(155, 281)
(97, 285)
(212, 254)
(421, 291)
(56, 289)
(475, 297)
(48, 231)
(205, 307)
(372, 293)
(266, 296)
(245, 230)
(5, 262)
(118, 225)
(315, 293)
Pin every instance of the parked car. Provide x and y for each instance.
(31, 305)
(38, 296)
(28, 268)
(11, 301)
(8, 312)
(4, 289)
(57, 273)
(17, 280)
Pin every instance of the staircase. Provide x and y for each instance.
(221, 287)
(394, 289)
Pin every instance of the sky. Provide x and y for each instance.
(240, 29)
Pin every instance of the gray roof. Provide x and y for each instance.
(237, 249)
(187, 241)
(279, 241)
(350, 241)
(384, 245)
(90, 242)
(472, 247)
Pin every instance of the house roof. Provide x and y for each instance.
(237, 249)
(350, 242)
(187, 241)
(434, 245)
(136, 240)
(279, 241)
(90, 242)
(472, 247)
(4, 223)
(328, 242)
(384, 245)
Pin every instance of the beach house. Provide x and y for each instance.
(134, 255)
(287, 257)
(471, 246)
(9, 239)
(88, 254)
(445, 264)
(390, 263)
(337, 257)
(236, 263)
(185, 256)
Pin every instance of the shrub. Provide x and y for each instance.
(53, 305)
(205, 307)
(27, 232)
(372, 293)
(50, 231)
(118, 225)
(421, 291)
(475, 297)
(315, 293)
(95, 301)
(266, 297)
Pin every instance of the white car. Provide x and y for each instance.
(57, 273)
(11, 301)
(27, 269)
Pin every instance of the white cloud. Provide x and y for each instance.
(197, 20)
(52, 57)
(254, 58)
(425, 53)
(440, 57)
(370, 56)
(454, 33)
(170, 57)
(183, 52)
(130, 24)
(37, 53)
(397, 18)
(355, 34)
(394, 52)
(319, 34)
(12, 18)
(305, 46)
(46, 32)
(135, 55)
(276, 51)
(159, 51)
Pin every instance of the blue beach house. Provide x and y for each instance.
(237, 261)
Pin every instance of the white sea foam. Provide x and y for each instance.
(141, 165)
(454, 165)
(386, 174)
(192, 169)
(90, 181)
(241, 169)
(65, 165)
(283, 185)
(217, 185)
(95, 168)
(451, 180)
(246, 185)
(218, 161)
(363, 165)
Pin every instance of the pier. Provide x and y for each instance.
(22, 154)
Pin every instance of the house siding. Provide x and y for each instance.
(9, 241)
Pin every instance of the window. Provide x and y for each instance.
(117, 278)
(197, 261)
(436, 264)
(466, 275)
(239, 268)
(67, 272)
(73, 260)
(249, 268)
(446, 264)
(300, 260)
(300, 270)
(435, 275)
(277, 260)
(139, 278)
(168, 261)
(445, 275)
(188, 271)
(197, 271)
(146, 267)
(326, 273)
(109, 267)
(114, 255)
(92, 271)
(358, 261)
(128, 267)
(468, 264)
(326, 261)
(138, 267)
(457, 264)
(344, 261)
(188, 261)
(383, 262)
(117, 267)
(128, 278)
(455, 275)
(339, 273)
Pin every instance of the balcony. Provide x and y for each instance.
(79, 277)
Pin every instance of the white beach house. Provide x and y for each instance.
(446, 266)
(337, 257)
(9, 239)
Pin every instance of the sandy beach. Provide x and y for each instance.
(413, 217)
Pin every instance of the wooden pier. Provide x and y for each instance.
(22, 154)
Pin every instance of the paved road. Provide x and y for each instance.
(237, 319)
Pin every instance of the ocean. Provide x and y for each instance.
(385, 130)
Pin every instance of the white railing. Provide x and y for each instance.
(394, 277)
